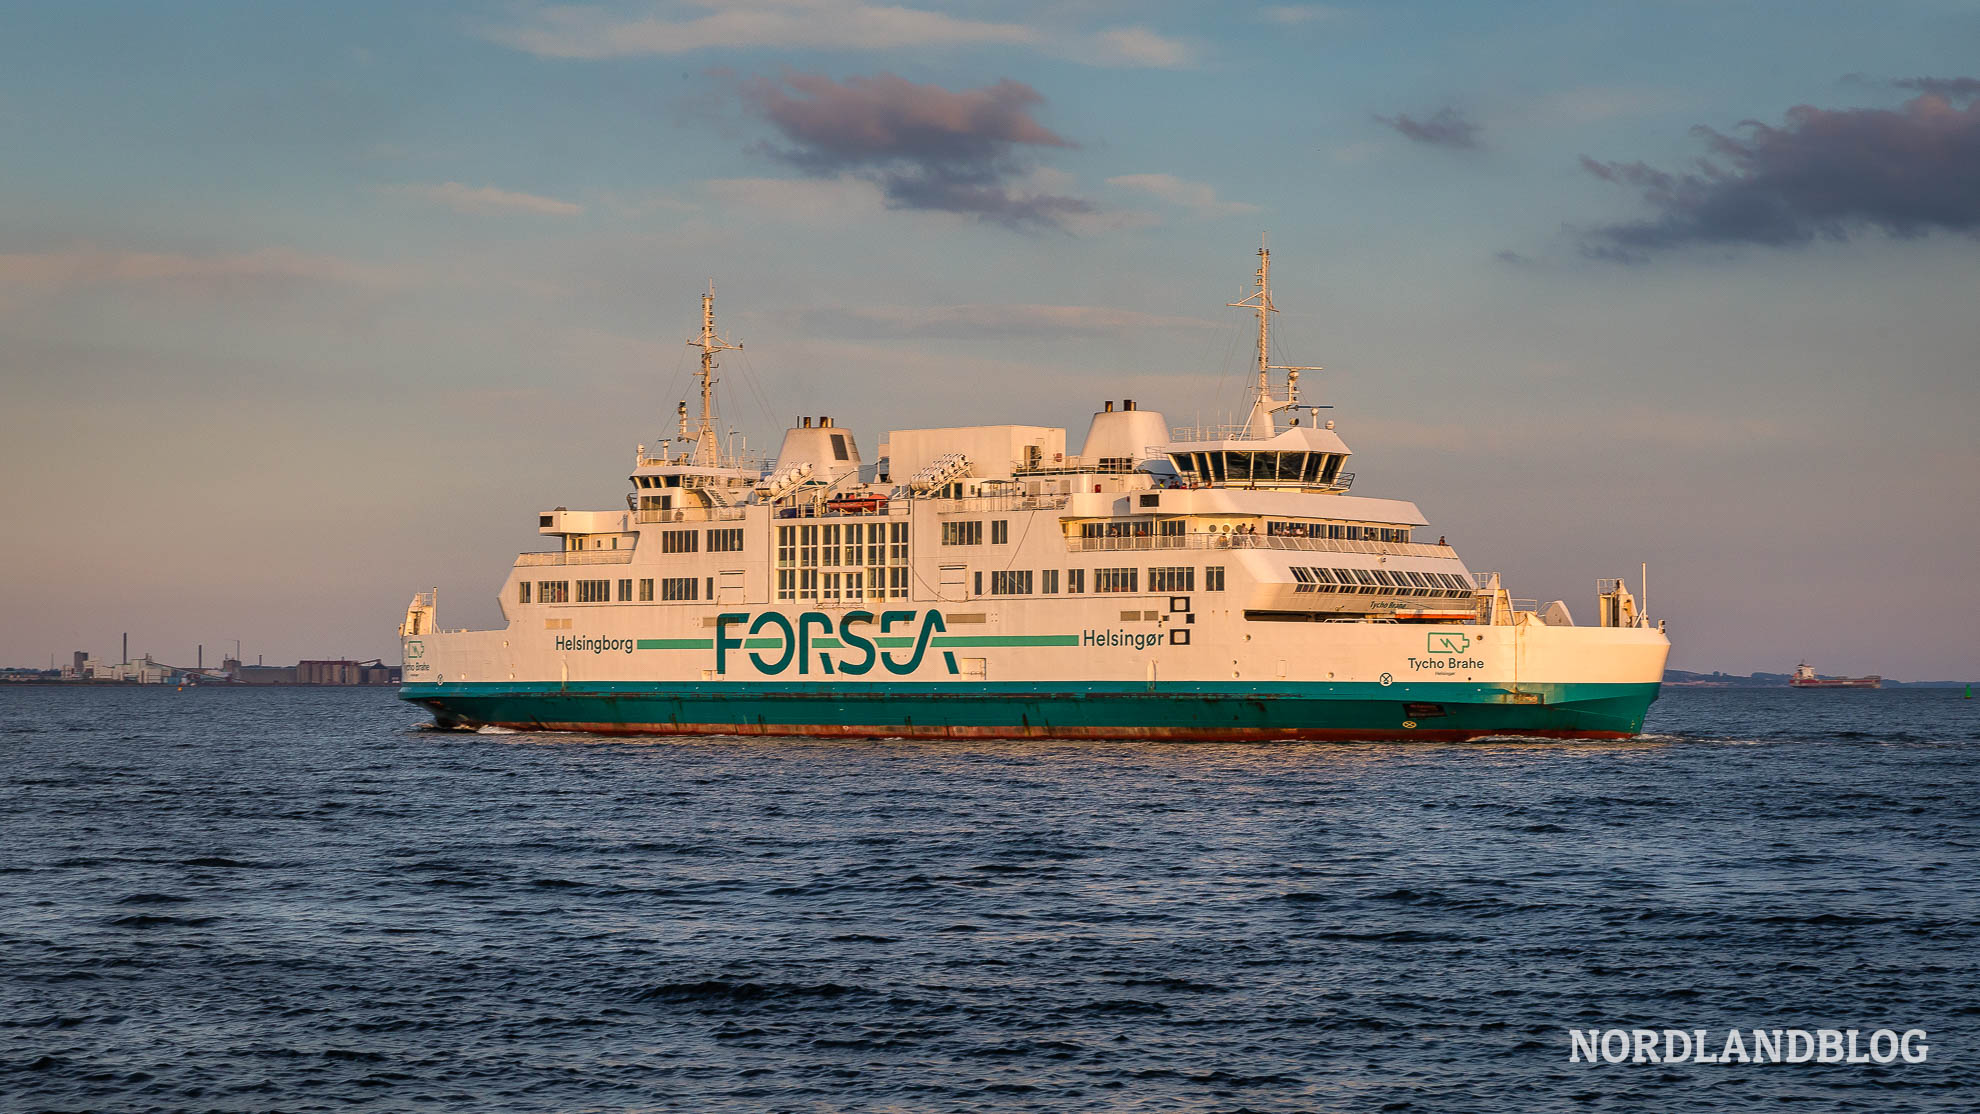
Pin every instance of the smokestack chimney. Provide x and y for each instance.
(1127, 404)
(127, 647)
(202, 655)
(1110, 407)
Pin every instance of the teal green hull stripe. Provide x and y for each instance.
(886, 644)
(1169, 709)
(1006, 640)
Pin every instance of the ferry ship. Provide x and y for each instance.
(986, 581)
(1805, 678)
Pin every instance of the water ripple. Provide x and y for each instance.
(303, 900)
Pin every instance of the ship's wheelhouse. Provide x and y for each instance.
(1261, 467)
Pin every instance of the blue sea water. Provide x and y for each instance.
(301, 900)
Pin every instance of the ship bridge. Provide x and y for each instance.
(1258, 453)
(1300, 458)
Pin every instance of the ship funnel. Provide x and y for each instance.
(1126, 435)
(831, 451)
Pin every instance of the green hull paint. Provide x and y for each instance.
(1172, 710)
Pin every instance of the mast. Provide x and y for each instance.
(707, 450)
(1263, 404)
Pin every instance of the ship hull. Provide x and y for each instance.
(1168, 711)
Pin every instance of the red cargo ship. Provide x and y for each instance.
(1805, 678)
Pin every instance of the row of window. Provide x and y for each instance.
(971, 533)
(1336, 531)
(887, 583)
(1167, 579)
(600, 591)
(859, 544)
(1386, 582)
(1176, 527)
(1132, 528)
(727, 540)
(1260, 467)
(860, 584)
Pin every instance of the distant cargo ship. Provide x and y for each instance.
(1805, 678)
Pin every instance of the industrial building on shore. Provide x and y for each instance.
(146, 670)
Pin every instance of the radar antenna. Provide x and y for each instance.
(1263, 405)
(707, 447)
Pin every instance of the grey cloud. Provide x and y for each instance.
(926, 147)
(1951, 88)
(1823, 172)
(1448, 128)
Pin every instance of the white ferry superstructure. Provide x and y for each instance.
(983, 581)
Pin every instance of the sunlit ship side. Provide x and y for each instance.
(983, 581)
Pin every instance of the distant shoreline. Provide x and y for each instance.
(1685, 679)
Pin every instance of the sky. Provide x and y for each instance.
(306, 307)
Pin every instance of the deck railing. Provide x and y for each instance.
(998, 503)
(692, 514)
(576, 557)
(1205, 540)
